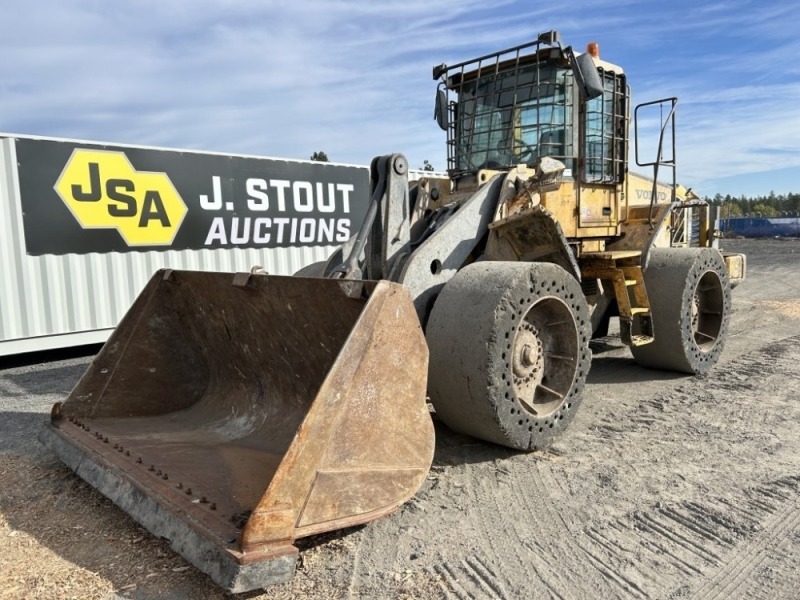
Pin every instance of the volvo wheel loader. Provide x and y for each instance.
(289, 406)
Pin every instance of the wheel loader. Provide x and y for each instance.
(291, 406)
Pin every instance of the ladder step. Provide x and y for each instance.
(641, 340)
(645, 328)
(629, 339)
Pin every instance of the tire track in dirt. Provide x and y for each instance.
(780, 501)
(522, 529)
(671, 543)
(720, 544)
(575, 553)
(470, 578)
(473, 564)
(488, 570)
(745, 373)
(643, 546)
(481, 571)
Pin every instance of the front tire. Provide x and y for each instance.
(509, 352)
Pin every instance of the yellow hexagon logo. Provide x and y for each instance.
(103, 190)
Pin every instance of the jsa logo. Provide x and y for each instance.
(103, 190)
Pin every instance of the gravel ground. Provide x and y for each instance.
(665, 486)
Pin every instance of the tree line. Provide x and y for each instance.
(771, 205)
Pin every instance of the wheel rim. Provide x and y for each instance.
(707, 311)
(544, 356)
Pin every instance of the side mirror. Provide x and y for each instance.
(440, 110)
(586, 75)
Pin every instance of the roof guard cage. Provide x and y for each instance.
(513, 106)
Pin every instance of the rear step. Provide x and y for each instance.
(234, 414)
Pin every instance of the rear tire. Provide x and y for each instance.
(509, 352)
(690, 301)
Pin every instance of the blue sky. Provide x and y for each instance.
(353, 77)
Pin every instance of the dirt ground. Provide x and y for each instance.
(664, 486)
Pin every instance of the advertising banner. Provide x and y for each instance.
(80, 198)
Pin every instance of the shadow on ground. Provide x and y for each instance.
(619, 369)
(46, 356)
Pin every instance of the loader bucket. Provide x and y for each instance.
(232, 414)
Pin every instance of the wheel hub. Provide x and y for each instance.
(528, 360)
(695, 312)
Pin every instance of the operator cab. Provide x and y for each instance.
(534, 101)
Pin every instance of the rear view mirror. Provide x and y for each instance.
(440, 110)
(586, 75)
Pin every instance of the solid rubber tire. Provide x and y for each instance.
(672, 278)
(470, 333)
